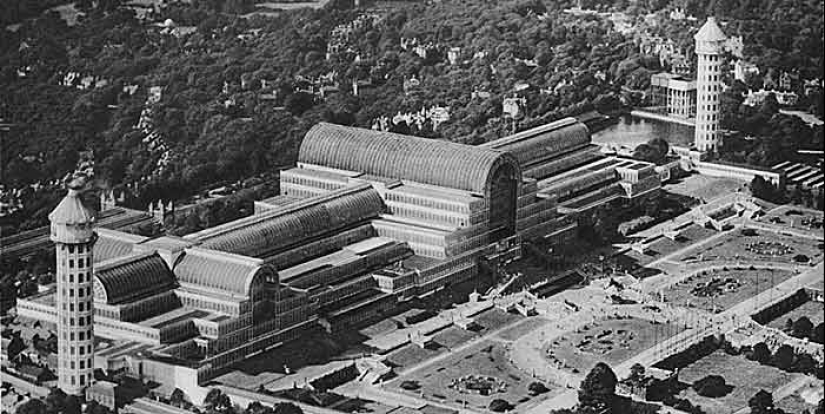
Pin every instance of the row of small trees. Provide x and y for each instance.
(804, 328)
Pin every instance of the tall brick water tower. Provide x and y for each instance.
(74, 238)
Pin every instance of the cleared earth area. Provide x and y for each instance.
(612, 341)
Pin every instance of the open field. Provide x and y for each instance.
(612, 341)
(493, 319)
(411, 354)
(467, 375)
(764, 246)
(746, 377)
(707, 188)
(717, 290)
(815, 311)
(523, 329)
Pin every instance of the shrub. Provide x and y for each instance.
(410, 385)
(712, 386)
(784, 357)
(537, 388)
(802, 327)
(801, 258)
(760, 353)
(818, 333)
(498, 405)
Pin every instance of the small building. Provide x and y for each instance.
(641, 386)
(802, 176)
(34, 374)
(669, 170)
(104, 392)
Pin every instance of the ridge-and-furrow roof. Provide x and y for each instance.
(544, 141)
(266, 233)
(225, 273)
(131, 277)
(390, 155)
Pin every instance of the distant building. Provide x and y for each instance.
(800, 175)
(812, 86)
(735, 46)
(675, 95)
(788, 80)
(743, 69)
(782, 98)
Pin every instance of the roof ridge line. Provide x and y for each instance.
(291, 208)
(122, 260)
(219, 254)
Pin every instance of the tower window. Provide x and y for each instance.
(71, 263)
(71, 248)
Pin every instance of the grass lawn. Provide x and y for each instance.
(803, 399)
(706, 188)
(493, 319)
(412, 354)
(522, 329)
(815, 311)
(487, 359)
(612, 341)
(453, 336)
(727, 287)
(746, 377)
(769, 247)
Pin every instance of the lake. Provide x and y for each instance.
(631, 131)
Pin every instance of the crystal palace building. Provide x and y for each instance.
(364, 220)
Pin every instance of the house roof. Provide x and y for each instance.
(390, 155)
